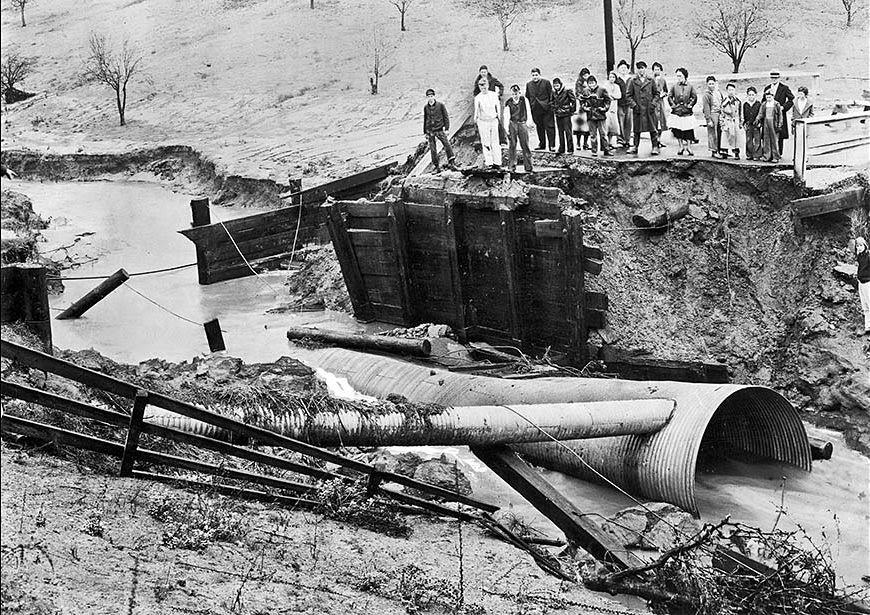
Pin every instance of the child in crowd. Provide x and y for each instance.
(581, 120)
(711, 104)
(615, 93)
(563, 104)
(730, 119)
(598, 103)
(770, 120)
(751, 109)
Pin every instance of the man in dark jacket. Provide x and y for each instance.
(597, 104)
(783, 95)
(495, 86)
(623, 110)
(538, 93)
(644, 99)
(436, 123)
(564, 105)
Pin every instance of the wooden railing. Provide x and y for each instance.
(130, 453)
(842, 139)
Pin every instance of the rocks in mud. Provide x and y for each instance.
(423, 330)
(440, 471)
(658, 526)
(814, 322)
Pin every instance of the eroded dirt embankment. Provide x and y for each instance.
(178, 165)
(732, 281)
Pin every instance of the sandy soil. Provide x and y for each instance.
(77, 542)
(269, 88)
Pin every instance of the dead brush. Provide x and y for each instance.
(351, 503)
(705, 577)
(417, 589)
(196, 522)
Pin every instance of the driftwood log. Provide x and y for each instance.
(380, 343)
(658, 216)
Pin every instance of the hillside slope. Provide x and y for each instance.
(272, 88)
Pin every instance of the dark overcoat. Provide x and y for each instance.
(644, 98)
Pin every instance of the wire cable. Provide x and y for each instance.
(163, 307)
(138, 273)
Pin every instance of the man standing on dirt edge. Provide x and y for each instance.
(436, 123)
(644, 99)
(862, 253)
(487, 113)
(518, 107)
(538, 93)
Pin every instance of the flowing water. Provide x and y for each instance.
(134, 225)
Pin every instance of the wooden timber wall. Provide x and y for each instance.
(270, 235)
(496, 269)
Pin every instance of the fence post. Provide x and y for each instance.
(24, 297)
(132, 442)
(800, 150)
(94, 296)
(214, 336)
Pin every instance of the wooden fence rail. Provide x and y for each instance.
(39, 360)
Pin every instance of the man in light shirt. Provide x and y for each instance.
(487, 115)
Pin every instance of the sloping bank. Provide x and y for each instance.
(179, 165)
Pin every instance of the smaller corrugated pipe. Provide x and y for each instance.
(435, 425)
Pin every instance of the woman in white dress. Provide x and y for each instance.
(611, 124)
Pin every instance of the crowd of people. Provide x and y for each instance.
(612, 114)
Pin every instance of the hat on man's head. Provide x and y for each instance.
(774, 73)
(515, 88)
(430, 91)
(640, 64)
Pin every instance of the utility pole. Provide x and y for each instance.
(608, 35)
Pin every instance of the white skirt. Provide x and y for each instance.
(682, 122)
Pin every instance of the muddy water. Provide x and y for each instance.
(134, 225)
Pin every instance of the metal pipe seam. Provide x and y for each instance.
(659, 466)
(467, 425)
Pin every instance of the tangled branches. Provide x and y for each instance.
(734, 569)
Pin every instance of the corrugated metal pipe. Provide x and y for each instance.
(659, 466)
(385, 424)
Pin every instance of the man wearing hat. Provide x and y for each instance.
(644, 99)
(517, 126)
(783, 95)
(436, 123)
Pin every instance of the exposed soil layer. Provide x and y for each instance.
(733, 281)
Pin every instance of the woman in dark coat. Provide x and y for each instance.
(683, 99)
(581, 120)
(644, 99)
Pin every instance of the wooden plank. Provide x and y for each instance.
(247, 227)
(509, 246)
(595, 319)
(828, 203)
(590, 266)
(549, 228)
(364, 208)
(398, 235)
(376, 261)
(48, 433)
(455, 276)
(334, 188)
(94, 296)
(133, 431)
(593, 252)
(369, 238)
(44, 362)
(575, 296)
(597, 301)
(393, 314)
(350, 269)
(557, 508)
(228, 490)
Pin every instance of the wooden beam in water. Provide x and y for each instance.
(529, 483)
(350, 269)
(91, 298)
(318, 194)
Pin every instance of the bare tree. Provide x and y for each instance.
(14, 69)
(638, 22)
(850, 7)
(506, 11)
(20, 4)
(402, 6)
(115, 69)
(735, 26)
(379, 50)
